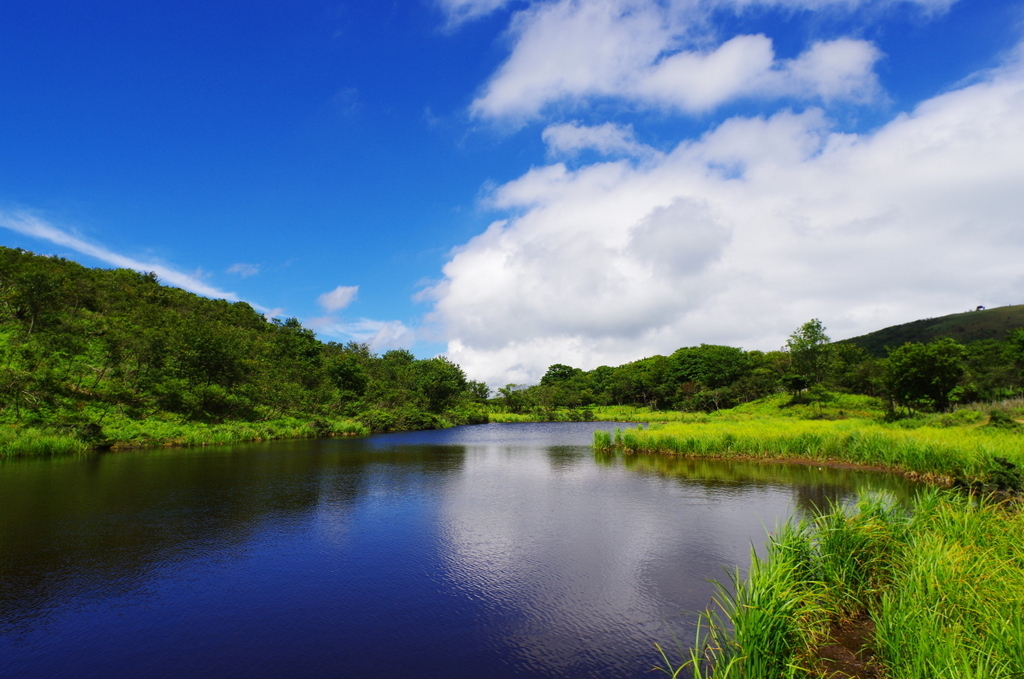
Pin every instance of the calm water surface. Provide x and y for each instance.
(502, 550)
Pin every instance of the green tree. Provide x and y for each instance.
(855, 370)
(478, 391)
(516, 397)
(559, 372)
(811, 352)
(441, 382)
(647, 382)
(922, 376)
(710, 365)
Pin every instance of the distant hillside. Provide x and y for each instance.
(969, 326)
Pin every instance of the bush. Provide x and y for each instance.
(959, 418)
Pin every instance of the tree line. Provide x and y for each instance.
(912, 377)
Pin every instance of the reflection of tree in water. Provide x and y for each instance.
(563, 458)
(813, 499)
(814, 487)
(102, 523)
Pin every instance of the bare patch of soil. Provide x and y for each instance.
(849, 655)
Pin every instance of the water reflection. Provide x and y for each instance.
(815, 488)
(498, 550)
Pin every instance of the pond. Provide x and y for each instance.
(501, 550)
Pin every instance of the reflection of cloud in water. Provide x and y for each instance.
(332, 521)
(573, 559)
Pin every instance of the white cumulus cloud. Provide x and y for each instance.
(654, 55)
(741, 235)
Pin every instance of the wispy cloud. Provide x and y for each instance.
(32, 226)
(460, 11)
(379, 335)
(244, 270)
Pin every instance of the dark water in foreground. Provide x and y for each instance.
(503, 550)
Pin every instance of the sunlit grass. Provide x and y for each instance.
(122, 433)
(958, 452)
(26, 442)
(152, 432)
(598, 414)
(555, 415)
(638, 414)
(957, 609)
(943, 583)
(831, 407)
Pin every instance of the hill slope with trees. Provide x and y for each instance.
(114, 357)
(912, 377)
(970, 326)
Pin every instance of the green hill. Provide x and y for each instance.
(101, 354)
(965, 327)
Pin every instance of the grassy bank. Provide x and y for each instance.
(150, 433)
(597, 414)
(934, 592)
(777, 406)
(964, 445)
(124, 433)
(29, 442)
(956, 452)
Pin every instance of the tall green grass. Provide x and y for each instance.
(943, 583)
(637, 414)
(831, 407)
(122, 433)
(957, 609)
(27, 442)
(959, 452)
(127, 433)
(598, 414)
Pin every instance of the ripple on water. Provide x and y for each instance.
(498, 550)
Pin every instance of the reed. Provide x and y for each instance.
(942, 582)
(957, 609)
(764, 626)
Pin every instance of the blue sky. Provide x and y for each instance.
(521, 183)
